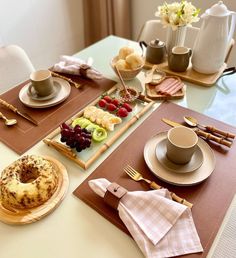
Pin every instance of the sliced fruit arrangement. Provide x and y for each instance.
(77, 137)
(101, 117)
(114, 105)
(98, 133)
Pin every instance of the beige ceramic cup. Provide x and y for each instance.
(179, 58)
(181, 144)
(41, 83)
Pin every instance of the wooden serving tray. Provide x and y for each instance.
(26, 216)
(190, 75)
(85, 158)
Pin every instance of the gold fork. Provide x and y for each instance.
(136, 176)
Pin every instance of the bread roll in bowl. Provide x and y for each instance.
(121, 64)
(134, 60)
(124, 52)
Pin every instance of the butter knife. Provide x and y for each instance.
(199, 132)
(15, 110)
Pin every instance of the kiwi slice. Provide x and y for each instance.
(85, 123)
(91, 127)
(99, 134)
(77, 121)
(81, 121)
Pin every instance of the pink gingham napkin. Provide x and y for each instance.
(159, 226)
(73, 65)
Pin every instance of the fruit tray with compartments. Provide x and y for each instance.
(87, 156)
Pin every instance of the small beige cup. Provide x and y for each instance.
(181, 144)
(41, 83)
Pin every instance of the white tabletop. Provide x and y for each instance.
(74, 229)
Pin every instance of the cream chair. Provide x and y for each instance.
(153, 29)
(15, 66)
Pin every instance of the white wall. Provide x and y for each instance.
(143, 10)
(44, 28)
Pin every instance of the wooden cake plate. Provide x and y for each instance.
(26, 216)
(190, 75)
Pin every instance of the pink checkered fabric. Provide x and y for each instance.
(159, 226)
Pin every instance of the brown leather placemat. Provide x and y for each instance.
(24, 135)
(211, 198)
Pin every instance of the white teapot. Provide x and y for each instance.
(213, 39)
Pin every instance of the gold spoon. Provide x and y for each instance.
(8, 122)
(194, 123)
(191, 121)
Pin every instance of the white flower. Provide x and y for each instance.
(177, 14)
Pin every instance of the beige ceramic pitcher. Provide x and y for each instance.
(213, 39)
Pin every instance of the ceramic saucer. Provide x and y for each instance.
(180, 179)
(195, 162)
(33, 95)
(62, 94)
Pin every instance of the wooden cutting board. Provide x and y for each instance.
(18, 217)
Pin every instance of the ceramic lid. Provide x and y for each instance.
(157, 43)
(219, 9)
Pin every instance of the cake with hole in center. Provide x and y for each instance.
(28, 182)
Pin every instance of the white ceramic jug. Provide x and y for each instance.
(213, 39)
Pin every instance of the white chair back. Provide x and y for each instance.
(15, 67)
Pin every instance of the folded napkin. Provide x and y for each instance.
(160, 226)
(77, 66)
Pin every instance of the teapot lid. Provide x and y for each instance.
(218, 9)
(157, 43)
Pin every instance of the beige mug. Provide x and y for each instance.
(181, 144)
(41, 83)
(178, 59)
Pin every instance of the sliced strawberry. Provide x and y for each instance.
(127, 107)
(122, 112)
(111, 107)
(107, 98)
(102, 103)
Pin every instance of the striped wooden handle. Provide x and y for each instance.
(175, 197)
(214, 138)
(7, 105)
(77, 85)
(220, 132)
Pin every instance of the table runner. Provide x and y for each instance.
(24, 135)
(211, 198)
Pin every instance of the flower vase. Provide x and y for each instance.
(175, 37)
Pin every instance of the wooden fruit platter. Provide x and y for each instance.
(86, 157)
(26, 216)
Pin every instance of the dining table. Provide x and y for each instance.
(74, 229)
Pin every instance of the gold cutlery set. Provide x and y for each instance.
(15, 110)
(211, 133)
